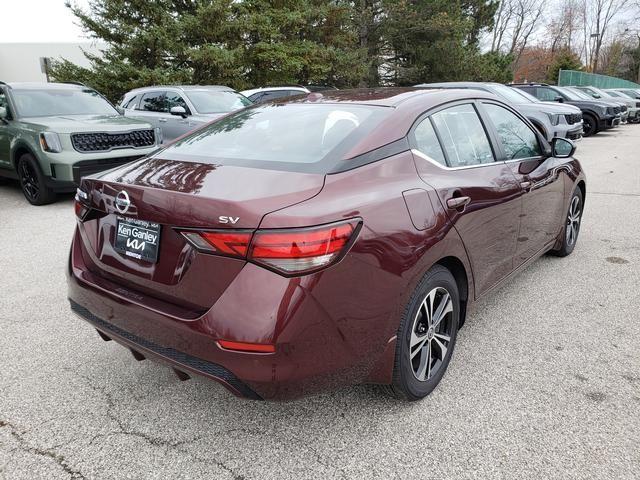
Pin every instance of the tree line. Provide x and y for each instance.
(247, 43)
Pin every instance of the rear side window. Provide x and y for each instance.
(517, 139)
(463, 136)
(153, 102)
(427, 142)
(299, 137)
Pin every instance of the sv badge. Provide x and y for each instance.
(225, 219)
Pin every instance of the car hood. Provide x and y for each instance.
(560, 108)
(87, 123)
(592, 103)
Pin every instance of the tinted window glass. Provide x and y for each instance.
(61, 101)
(211, 101)
(518, 140)
(153, 102)
(173, 99)
(509, 94)
(427, 141)
(275, 94)
(133, 102)
(280, 136)
(463, 136)
(547, 95)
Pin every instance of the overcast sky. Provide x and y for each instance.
(39, 21)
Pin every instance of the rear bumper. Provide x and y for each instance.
(321, 342)
(177, 359)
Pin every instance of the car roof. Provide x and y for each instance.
(221, 88)
(457, 84)
(389, 96)
(45, 85)
(298, 88)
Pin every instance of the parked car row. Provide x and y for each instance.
(53, 134)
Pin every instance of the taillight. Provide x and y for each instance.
(289, 251)
(229, 243)
(80, 204)
(296, 251)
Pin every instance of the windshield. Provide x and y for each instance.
(60, 101)
(575, 94)
(510, 94)
(287, 137)
(628, 93)
(212, 101)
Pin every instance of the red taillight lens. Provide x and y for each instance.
(288, 251)
(79, 205)
(247, 347)
(229, 243)
(295, 251)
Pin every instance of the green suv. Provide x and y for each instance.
(52, 134)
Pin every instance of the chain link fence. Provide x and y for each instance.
(573, 78)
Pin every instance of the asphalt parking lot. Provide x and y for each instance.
(544, 383)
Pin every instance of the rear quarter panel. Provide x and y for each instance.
(366, 293)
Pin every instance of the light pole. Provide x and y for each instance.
(594, 55)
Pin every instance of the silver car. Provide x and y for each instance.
(551, 119)
(179, 109)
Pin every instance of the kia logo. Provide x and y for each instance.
(122, 202)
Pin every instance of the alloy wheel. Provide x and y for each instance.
(573, 221)
(431, 334)
(29, 180)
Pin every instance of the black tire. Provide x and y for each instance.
(590, 125)
(32, 181)
(410, 378)
(572, 224)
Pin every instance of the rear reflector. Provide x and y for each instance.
(247, 347)
(289, 251)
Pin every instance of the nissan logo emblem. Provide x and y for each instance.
(122, 202)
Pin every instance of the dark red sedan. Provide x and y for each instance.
(325, 240)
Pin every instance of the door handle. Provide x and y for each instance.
(457, 202)
(163, 120)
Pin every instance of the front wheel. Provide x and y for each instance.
(590, 125)
(32, 181)
(572, 225)
(426, 336)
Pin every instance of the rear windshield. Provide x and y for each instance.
(211, 101)
(297, 137)
(60, 101)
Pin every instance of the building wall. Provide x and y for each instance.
(20, 62)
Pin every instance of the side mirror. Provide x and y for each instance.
(562, 147)
(596, 95)
(559, 99)
(178, 110)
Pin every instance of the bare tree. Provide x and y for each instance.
(599, 15)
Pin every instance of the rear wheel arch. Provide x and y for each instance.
(583, 188)
(459, 272)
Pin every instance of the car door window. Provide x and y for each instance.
(518, 140)
(173, 99)
(133, 102)
(427, 141)
(463, 136)
(547, 94)
(153, 102)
